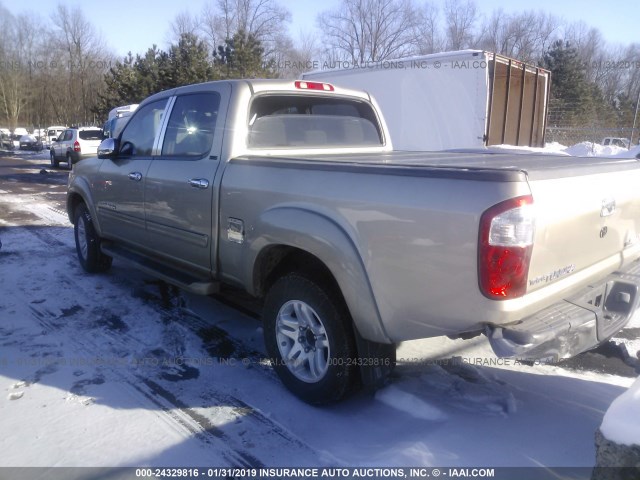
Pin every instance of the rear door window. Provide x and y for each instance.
(191, 125)
(295, 121)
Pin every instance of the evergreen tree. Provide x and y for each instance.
(133, 79)
(571, 92)
(243, 57)
(188, 62)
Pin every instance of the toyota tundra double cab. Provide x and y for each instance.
(291, 190)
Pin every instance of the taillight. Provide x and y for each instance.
(504, 248)
(76, 146)
(327, 87)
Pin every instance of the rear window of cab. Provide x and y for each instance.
(296, 121)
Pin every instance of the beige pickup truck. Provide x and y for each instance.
(291, 191)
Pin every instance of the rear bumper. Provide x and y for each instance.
(574, 325)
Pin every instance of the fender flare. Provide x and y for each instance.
(316, 233)
(80, 188)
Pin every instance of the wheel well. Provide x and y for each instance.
(72, 203)
(278, 260)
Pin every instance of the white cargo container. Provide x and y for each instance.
(463, 99)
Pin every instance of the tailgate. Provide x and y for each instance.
(587, 221)
(90, 146)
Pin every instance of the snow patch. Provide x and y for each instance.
(409, 403)
(467, 387)
(582, 149)
(553, 148)
(590, 149)
(621, 423)
(15, 395)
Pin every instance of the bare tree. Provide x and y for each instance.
(430, 38)
(184, 23)
(85, 54)
(371, 30)
(13, 87)
(264, 19)
(291, 60)
(525, 36)
(460, 20)
(589, 43)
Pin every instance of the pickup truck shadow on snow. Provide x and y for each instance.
(126, 342)
(401, 430)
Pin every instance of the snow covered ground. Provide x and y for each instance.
(621, 423)
(583, 149)
(120, 370)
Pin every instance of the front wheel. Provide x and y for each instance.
(88, 243)
(52, 157)
(309, 338)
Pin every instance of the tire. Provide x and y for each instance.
(309, 338)
(88, 243)
(69, 161)
(54, 162)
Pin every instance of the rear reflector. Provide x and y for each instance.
(504, 248)
(327, 87)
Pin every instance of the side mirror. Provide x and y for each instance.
(108, 148)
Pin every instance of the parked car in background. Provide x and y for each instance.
(40, 134)
(52, 134)
(30, 142)
(15, 140)
(74, 144)
(5, 140)
(616, 142)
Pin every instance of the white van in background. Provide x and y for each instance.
(52, 135)
(118, 118)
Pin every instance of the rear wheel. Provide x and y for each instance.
(69, 162)
(54, 162)
(88, 243)
(309, 338)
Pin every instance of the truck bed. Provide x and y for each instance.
(415, 218)
(470, 165)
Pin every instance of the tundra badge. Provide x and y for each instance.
(608, 207)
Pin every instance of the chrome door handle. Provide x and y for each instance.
(135, 176)
(199, 182)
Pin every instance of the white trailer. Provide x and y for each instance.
(463, 99)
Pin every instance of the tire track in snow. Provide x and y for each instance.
(121, 342)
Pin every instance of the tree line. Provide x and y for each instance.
(62, 71)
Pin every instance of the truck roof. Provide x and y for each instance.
(264, 85)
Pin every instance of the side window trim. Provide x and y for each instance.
(159, 140)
